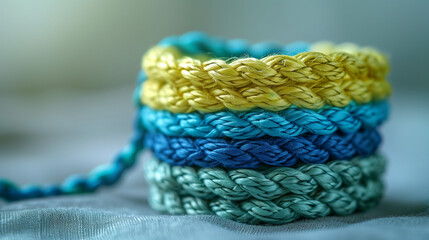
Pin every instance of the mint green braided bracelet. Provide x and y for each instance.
(265, 183)
(287, 208)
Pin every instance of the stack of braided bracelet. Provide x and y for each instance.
(262, 133)
(259, 134)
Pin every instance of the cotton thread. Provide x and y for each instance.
(187, 99)
(369, 55)
(258, 123)
(169, 65)
(285, 209)
(334, 80)
(265, 183)
(193, 43)
(252, 153)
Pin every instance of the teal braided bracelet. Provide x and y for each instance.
(265, 183)
(258, 123)
(284, 209)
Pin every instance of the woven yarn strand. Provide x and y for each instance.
(161, 96)
(170, 65)
(371, 56)
(284, 209)
(102, 175)
(258, 123)
(265, 183)
(252, 153)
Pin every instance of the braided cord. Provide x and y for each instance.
(197, 43)
(310, 79)
(159, 95)
(252, 153)
(284, 209)
(265, 183)
(103, 175)
(258, 123)
(372, 57)
(168, 64)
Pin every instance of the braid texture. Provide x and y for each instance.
(376, 62)
(170, 65)
(264, 184)
(258, 123)
(252, 153)
(189, 98)
(284, 209)
(220, 114)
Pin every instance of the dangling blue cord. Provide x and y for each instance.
(103, 175)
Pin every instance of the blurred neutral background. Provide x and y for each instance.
(93, 45)
(68, 69)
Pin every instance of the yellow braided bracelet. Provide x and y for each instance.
(159, 95)
(170, 65)
(334, 76)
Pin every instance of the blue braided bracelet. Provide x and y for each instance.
(252, 153)
(258, 123)
(197, 43)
